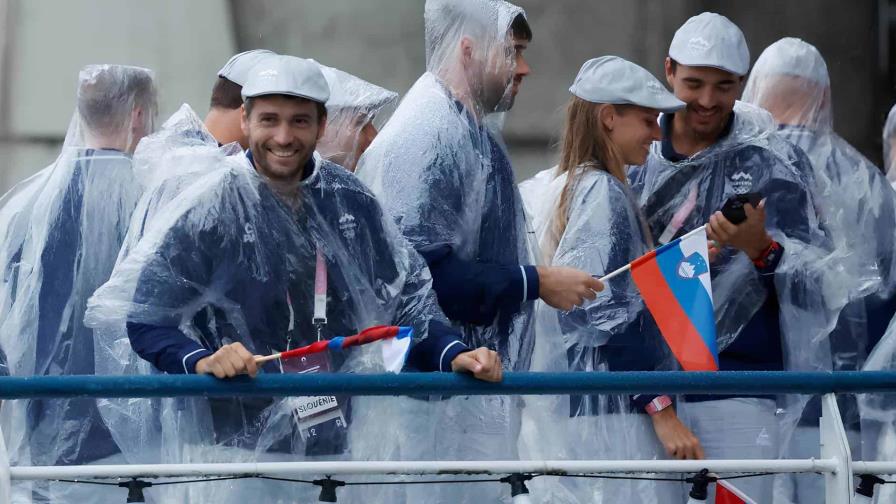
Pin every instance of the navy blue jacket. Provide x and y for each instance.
(758, 346)
(268, 305)
(71, 352)
(493, 287)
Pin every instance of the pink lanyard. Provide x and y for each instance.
(320, 299)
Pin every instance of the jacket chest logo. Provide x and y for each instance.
(348, 225)
(741, 182)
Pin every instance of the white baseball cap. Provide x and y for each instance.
(287, 75)
(237, 68)
(711, 40)
(611, 79)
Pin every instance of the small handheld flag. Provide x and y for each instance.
(396, 341)
(726, 493)
(674, 282)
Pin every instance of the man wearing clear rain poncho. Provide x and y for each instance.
(777, 289)
(857, 209)
(224, 112)
(441, 171)
(62, 230)
(233, 267)
(351, 111)
(591, 221)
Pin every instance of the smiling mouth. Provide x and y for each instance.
(280, 153)
(705, 113)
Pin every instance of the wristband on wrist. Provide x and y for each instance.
(768, 256)
(658, 404)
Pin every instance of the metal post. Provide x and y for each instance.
(5, 476)
(835, 446)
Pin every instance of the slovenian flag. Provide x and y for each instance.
(674, 282)
(726, 493)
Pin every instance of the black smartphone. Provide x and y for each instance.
(733, 209)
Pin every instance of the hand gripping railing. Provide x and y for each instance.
(835, 461)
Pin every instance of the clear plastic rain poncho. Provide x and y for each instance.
(810, 285)
(352, 116)
(889, 141)
(604, 231)
(227, 260)
(855, 203)
(878, 412)
(62, 230)
(439, 165)
(441, 170)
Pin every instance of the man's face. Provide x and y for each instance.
(709, 93)
(504, 74)
(283, 133)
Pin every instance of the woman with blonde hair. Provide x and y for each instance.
(588, 219)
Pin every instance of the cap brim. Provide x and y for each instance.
(286, 93)
(709, 65)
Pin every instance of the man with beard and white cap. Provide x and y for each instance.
(442, 172)
(62, 230)
(225, 105)
(270, 250)
(857, 208)
(769, 276)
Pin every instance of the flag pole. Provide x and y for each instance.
(628, 266)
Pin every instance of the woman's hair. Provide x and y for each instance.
(586, 145)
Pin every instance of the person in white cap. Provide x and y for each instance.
(441, 170)
(270, 250)
(857, 208)
(225, 105)
(591, 221)
(769, 272)
(351, 112)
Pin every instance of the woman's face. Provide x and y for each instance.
(632, 129)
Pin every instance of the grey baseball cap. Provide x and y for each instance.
(611, 79)
(237, 68)
(711, 40)
(287, 75)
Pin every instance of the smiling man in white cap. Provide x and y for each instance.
(225, 106)
(267, 251)
(766, 277)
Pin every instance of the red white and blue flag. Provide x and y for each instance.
(674, 282)
(726, 493)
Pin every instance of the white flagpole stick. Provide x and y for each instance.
(628, 266)
(259, 358)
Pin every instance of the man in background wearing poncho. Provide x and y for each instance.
(62, 232)
(351, 111)
(225, 105)
(228, 270)
(443, 174)
(763, 283)
(857, 208)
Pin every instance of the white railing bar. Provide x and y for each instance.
(284, 469)
(871, 467)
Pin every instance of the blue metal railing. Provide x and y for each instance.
(758, 382)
